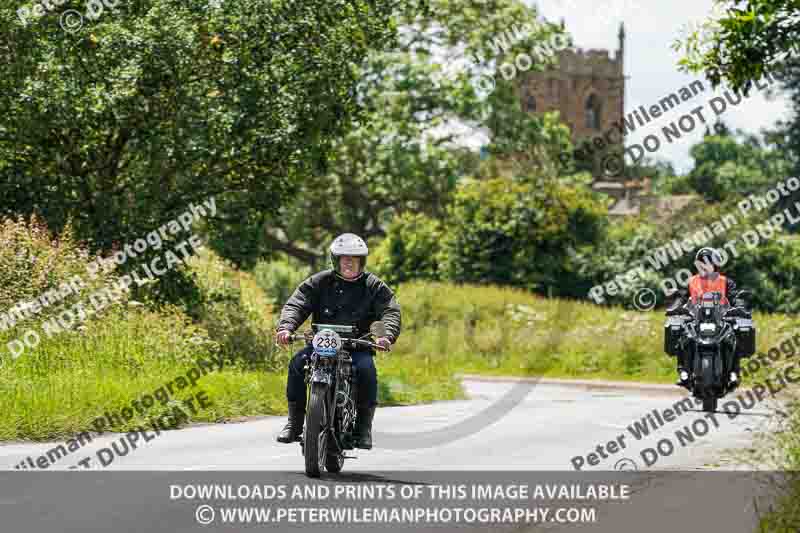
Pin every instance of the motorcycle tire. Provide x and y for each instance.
(709, 401)
(315, 446)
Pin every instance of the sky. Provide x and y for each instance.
(651, 65)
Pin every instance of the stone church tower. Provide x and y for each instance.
(588, 88)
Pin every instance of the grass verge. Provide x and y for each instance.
(58, 388)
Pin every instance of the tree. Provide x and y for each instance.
(726, 166)
(403, 156)
(742, 41)
(505, 232)
(123, 123)
(412, 250)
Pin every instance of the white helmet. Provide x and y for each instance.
(707, 256)
(349, 244)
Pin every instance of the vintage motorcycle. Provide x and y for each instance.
(710, 333)
(332, 394)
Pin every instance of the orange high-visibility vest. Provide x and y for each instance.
(699, 286)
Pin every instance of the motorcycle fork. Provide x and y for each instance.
(349, 409)
(329, 407)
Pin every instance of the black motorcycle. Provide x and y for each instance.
(332, 395)
(710, 334)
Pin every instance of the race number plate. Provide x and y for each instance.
(327, 343)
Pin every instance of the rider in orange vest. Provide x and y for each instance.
(700, 284)
(708, 279)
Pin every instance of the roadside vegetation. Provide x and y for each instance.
(57, 388)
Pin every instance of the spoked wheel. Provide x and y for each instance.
(334, 460)
(315, 441)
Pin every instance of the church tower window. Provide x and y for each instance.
(593, 112)
(530, 104)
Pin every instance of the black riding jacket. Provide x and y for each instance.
(332, 300)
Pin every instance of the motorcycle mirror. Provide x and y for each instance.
(378, 329)
(742, 298)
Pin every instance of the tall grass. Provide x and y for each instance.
(59, 387)
(500, 331)
(782, 451)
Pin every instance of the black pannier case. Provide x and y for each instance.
(745, 337)
(673, 330)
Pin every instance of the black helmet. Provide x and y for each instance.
(349, 244)
(707, 256)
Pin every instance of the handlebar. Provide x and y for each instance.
(367, 343)
(301, 337)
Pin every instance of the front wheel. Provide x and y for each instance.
(710, 404)
(315, 444)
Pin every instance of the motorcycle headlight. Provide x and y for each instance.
(708, 328)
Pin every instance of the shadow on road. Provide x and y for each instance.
(765, 415)
(362, 477)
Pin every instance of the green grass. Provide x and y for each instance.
(500, 331)
(57, 389)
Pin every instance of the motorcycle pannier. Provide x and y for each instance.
(673, 330)
(745, 337)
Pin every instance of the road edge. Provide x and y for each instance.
(588, 384)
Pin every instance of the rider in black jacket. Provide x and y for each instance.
(346, 295)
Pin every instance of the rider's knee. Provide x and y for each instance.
(366, 368)
(298, 361)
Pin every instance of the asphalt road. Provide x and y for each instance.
(546, 430)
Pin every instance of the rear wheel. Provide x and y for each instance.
(315, 444)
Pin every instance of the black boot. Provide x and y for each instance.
(363, 430)
(681, 382)
(293, 429)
